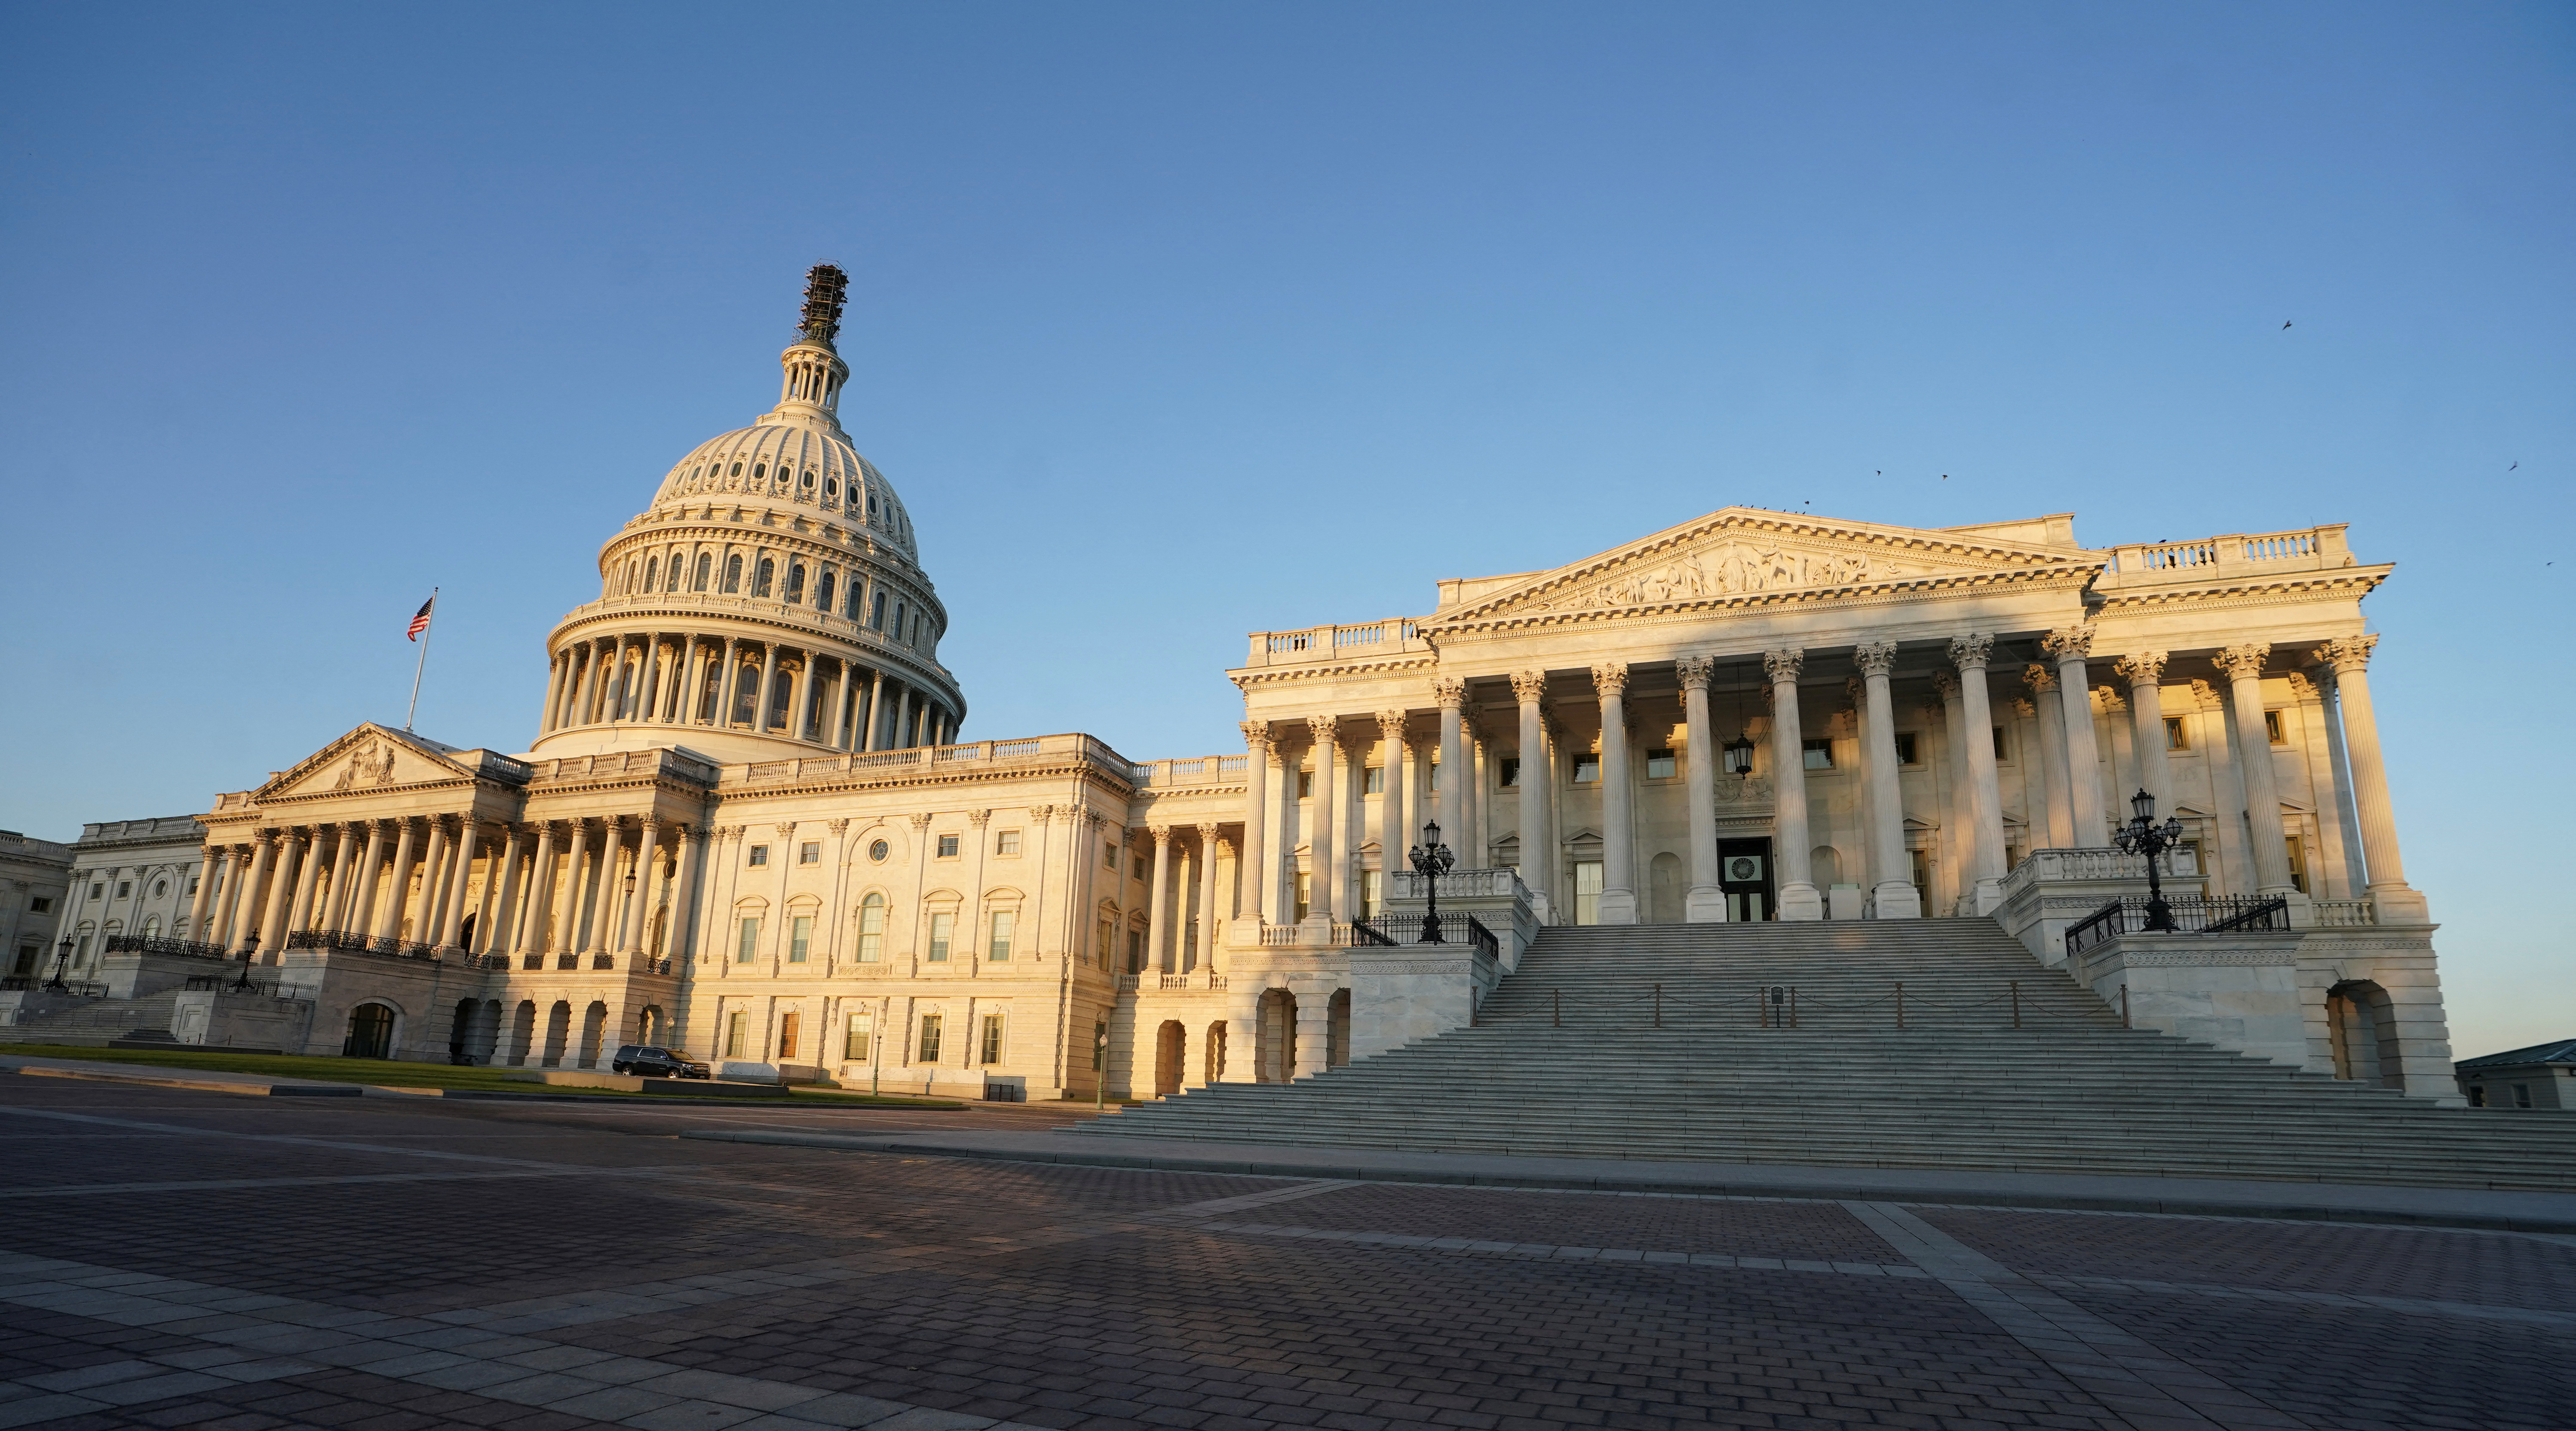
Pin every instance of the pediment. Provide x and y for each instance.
(371, 757)
(1740, 553)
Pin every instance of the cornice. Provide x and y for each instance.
(2279, 590)
(1272, 675)
(1861, 597)
(936, 778)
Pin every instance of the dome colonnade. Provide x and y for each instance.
(771, 597)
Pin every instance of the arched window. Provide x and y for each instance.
(759, 471)
(876, 612)
(831, 488)
(807, 481)
(823, 591)
(850, 607)
(674, 583)
(872, 917)
(705, 561)
(737, 469)
(762, 576)
(653, 574)
(733, 573)
(899, 609)
(795, 583)
(633, 570)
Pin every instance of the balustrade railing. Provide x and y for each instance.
(2222, 914)
(2340, 913)
(147, 944)
(341, 941)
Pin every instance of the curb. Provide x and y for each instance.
(315, 1089)
(2287, 1211)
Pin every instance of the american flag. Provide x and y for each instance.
(420, 619)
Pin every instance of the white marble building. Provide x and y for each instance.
(747, 824)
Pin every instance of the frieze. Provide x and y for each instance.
(2249, 959)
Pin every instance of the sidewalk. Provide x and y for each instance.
(265, 1085)
(2207, 1197)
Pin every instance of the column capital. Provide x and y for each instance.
(1448, 692)
(2068, 643)
(1207, 833)
(2243, 663)
(920, 824)
(267, 837)
(1695, 672)
(2347, 653)
(2140, 668)
(2040, 678)
(1971, 652)
(1041, 813)
(1947, 684)
(979, 818)
(1326, 730)
(1162, 834)
(786, 829)
(1256, 735)
(2206, 696)
(2021, 706)
(1390, 725)
(1529, 686)
(2303, 688)
(2110, 700)
(1875, 658)
(1610, 678)
(1784, 664)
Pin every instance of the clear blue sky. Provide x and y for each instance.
(1174, 322)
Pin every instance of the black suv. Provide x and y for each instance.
(655, 1062)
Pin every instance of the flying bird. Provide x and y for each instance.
(1945, 476)
(2514, 465)
(2285, 325)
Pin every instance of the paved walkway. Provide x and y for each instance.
(177, 1259)
(2330, 1202)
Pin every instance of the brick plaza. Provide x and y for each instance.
(183, 1259)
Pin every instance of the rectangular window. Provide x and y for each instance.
(1007, 843)
(2522, 1095)
(800, 938)
(858, 1044)
(2184, 862)
(2272, 727)
(1431, 777)
(749, 947)
(998, 949)
(1108, 945)
(1108, 854)
(948, 847)
(1587, 891)
(787, 1035)
(2477, 1096)
(737, 1024)
(40, 904)
(1135, 951)
(1587, 770)
(1921, 860)
(1305, 894)
(98, 889)
(1136, 867)
(759, 854)
(1905, 748)
(992, 1038)
(1305, 785)
(1999, 745)
(1372, 893)
(872, 930)
(1819, 753)
(1661, 765)
(2298, 849)
(1508, 769)
(2175, 737)
(943, 928)
(1372, 779)
(124, 888)
(928, 1050)
(809, 853)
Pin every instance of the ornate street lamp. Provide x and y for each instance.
(1432, 859)
(2143, 836)
(62, 961)
(250, 955)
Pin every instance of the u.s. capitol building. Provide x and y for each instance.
(749, 824)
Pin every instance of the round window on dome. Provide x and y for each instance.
(878, 851)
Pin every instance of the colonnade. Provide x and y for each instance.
(661, 678)
(1167, 904)
(2065, 790)
(565, 887)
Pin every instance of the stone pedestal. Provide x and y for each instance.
(2238, 992)
(2054, 889)
(1414, 992)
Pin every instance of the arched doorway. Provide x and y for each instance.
(1170, 1042)
(371, 1032)
(558, 1031)
(1216, 1052)
(1337, 1029)
(594, 1024)
(2361, 1025)
(460, 1033)
(1274, 1060)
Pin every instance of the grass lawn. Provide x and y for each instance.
(389, 1073)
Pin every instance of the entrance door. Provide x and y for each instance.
(1744, 873)
(371, 1032)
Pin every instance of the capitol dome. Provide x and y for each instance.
(770, 601)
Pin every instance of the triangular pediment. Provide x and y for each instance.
(1740, 553)
(371, 757)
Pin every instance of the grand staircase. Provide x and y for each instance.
(1568, 1059)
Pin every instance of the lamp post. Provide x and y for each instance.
(2143, 836)
(62, 961)
(250, 955)
(1431, 859)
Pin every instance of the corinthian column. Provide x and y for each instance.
(1392, 838)
(308, 871)
(1531, 688)
(206, 881)
(1790, 855)
(1706, 902)
(2144, 671)
(1251, 892)
(2244, 668)
(1323, 871)
(2060, 822)
(567, 930)
(361, 916)
(281, 891)
(1208, 917)
(639, 924)
(1158, 904)
(1894, 894)
(1618, 840)
(1450, 694)
(538, 899)
(451, 924)
(1977, 711)
(2083, 757)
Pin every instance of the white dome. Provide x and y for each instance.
(798, 464)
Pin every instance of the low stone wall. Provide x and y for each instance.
(215, 1018)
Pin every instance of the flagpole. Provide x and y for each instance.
(423, 664)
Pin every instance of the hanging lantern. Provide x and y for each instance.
(1738, 755)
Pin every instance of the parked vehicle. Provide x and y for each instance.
(654, 1062)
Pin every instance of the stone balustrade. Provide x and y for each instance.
(1395, 636)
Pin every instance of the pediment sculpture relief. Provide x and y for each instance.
(1743, 790)
(369, 765)
(1725, 568)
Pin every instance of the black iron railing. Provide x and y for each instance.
(341, 941)
(1483, 938)
(1364, 934)
(2225, 914)
(147, 944)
